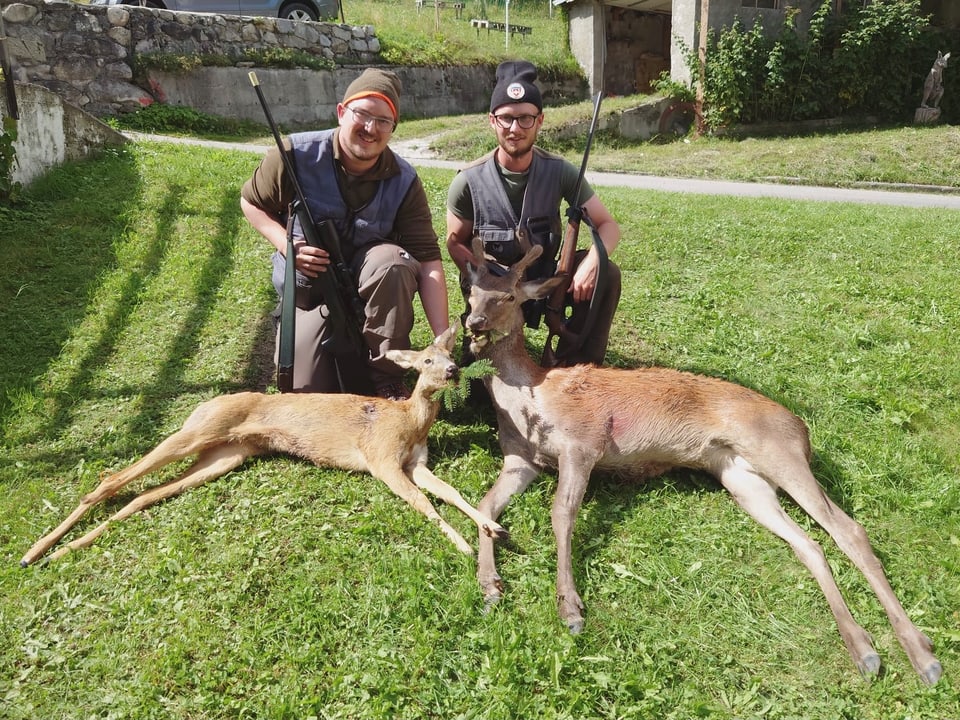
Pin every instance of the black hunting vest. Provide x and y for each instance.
(506, 238)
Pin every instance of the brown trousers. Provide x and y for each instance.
(387, 279)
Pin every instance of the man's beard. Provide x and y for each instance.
(517, 147)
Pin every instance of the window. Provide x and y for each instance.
(768, 4)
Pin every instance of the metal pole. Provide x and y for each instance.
(702, 62)
(506, 31)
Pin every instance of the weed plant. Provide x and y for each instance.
(133, 290)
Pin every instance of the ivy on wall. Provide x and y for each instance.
(8, 158)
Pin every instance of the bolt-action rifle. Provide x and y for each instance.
(344, 307)
(559, 301)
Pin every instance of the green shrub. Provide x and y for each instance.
(867, 61)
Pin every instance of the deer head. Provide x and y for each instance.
(495, 299)
(434, 363)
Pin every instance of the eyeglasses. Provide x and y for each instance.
(524, 121)
(361, 117)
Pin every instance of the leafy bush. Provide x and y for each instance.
(866, 61)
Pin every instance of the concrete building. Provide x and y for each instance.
(623, 45)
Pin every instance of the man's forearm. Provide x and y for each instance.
(433, 296)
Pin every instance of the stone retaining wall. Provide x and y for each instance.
(85, 53)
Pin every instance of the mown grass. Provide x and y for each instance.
(133, 289)
(883, 156)
(870, 155)
(426, 37)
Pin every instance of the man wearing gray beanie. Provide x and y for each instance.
(379, 208)
(515, 192)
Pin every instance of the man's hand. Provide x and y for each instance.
(585, 278)
(311, 261)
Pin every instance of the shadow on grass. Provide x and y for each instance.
(58, 246)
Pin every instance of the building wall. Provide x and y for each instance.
(945, 13)
(588, 40)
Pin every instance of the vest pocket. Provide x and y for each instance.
(501, 245)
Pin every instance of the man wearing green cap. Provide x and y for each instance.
(514, 193)
(379, 207)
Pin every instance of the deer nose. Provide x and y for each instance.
(452, 372)
(476, 321)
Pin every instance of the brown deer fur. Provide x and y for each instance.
(386, 438)
(646, 420)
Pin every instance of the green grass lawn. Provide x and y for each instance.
(133, 289)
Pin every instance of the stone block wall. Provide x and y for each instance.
(85, 53)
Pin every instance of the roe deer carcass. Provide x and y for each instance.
(386, 438)
(643, 422)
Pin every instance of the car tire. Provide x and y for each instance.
(298, 11)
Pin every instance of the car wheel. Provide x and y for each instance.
(298, 11)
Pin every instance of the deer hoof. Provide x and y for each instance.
(491, 600)
(869, 665)
(931, 674)
(497, 532)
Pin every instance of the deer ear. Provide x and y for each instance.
(536, 289)
(403, 358)
(447, 339)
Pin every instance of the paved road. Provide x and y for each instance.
(418, 154)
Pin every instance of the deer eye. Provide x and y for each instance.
(508, 298)
(428, 361)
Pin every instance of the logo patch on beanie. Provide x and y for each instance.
(515, 91)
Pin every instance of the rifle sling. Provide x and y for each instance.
(574, 341)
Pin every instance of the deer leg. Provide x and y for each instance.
(759, 499)
(437, 487)
(852, 539)
(571, 486)
(402, 486)
(181, 444)
(514, 477)
(211, 463)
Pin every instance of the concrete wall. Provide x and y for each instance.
(308, 98)
(723, 14)
(50, 132)
(587, 40)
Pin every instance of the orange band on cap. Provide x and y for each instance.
(374, 94)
